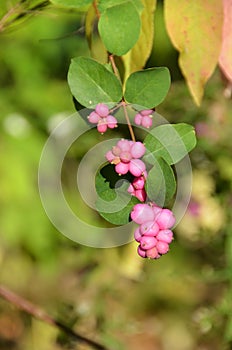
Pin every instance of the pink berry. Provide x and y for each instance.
(141, 252)
(147, 242)
(101, 126)
(111, 122)
(146, 121)
(142, 213)
(165, 219)
(116, 151)
(93, 118)
(125, 156)
(156, 209)
(122, 168)
(162, 247)
(149, 228)
(138, 183)
(141, 195)
(110, 156)
(138, 150)
(146, 112)
(124, 145)
(138, 119)
(102, 109)
(131, 190)
(152, 253)
(165, 236)
(137, 235)
(137, 167)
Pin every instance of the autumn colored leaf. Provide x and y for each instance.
(225, 59)
(136, 58)
(195, 29)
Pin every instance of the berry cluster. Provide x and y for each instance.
(153, 234)
(144, 118)
(125, 155)
(102, 118)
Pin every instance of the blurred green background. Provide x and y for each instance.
(180, 302)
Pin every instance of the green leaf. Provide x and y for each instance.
(105, 4)
(160, 183)
(148, 87)
(114, 204)
(195, 29)
(170, 141)
(72, 3)
(91, 83)
(136, 58)
(119, 27)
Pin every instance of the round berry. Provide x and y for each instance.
(149, 228)
(138, 119)
(138, 183)
(137, 167)
(165, 236)
(137, 235)
(101, 126)
(125, 156)
(146, 112)
(102, 110)
(141, 252)
(124, 145)
(165, 219)
(162, 247)
(147, 242)
(122, 168)
(138, 150)
(93, 118)
(152, 253)
(110, 156)
(141, 195)
(111, 122)
(147, 121)
(142, 213)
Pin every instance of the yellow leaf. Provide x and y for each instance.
(195, 29)
(225, 59)
(136, 58)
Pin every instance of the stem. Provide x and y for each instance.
(128, 122)
(96, 9)
(40, 314)
(115, 69)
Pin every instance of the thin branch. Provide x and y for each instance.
(113, 64)
(128, 122)
(96, 9)
(40, 314)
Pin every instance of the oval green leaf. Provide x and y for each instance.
(114, 204)
(161, 183)
(148, 87)
(72, 3)
(119, 27)
(91, 83)
(172, 142)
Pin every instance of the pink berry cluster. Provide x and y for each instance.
(125, 155)
(101, 116)
(153, 234)
(144, 118)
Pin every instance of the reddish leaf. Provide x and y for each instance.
(225, 59)
(195, 28)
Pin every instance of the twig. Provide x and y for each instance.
(128, 122)
(40, 314)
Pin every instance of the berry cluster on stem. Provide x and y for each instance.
(154, 232)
